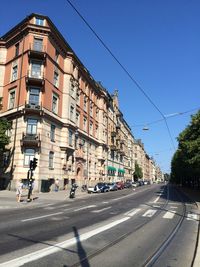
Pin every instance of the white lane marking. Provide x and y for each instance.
(50, 208)
(192, 217)
(169, 214)
(156, 206)
(105, 202)
(149, 213)
(86, 207)
(172, 207)
(62, 206)
(156, 199)
(97, 211)
(132, 212)
(60, 246)
(40, 217)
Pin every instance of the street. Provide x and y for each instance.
(147, 226)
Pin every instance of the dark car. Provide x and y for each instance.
(128, 185)
(103, 187)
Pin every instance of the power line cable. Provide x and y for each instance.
(124, 69)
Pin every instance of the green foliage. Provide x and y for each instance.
(4, 139)
(138, 172)
(185, 166)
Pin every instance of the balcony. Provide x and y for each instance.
(37, 51)
(113, 147)
(33, 108)
(122, 142)
(30, 140)
(35, 78)
(118, 126)
(113, 134)
(122, 153)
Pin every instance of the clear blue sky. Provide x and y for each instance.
(157, 41)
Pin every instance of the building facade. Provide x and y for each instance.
(59, 114)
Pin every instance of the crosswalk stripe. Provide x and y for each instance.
(192, 217)
(132, 212)
(169, 214)
(149, 213)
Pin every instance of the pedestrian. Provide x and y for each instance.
(56, 185)
(19, 190)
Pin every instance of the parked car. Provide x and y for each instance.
(104, 188)
(120, 185)
(93, 189)
(113, 186)
(128, 185)
(135, 184)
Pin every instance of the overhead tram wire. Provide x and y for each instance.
(124, 69)
(166, 116)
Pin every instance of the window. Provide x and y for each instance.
(56, 78)
(36, 69)
(39, 21)
(91, 106)
(14, 71)
(72, 90)
(38, 44)
(97, 114)
(85, 103)
(17, 49)
(51, 160)
(31, 126)
(78, 97)
(77, 119)
(56, 56)
(91, 128)
(12, 99)
(34, 94)
(52, 132)
(28, 155)
(70, 137)
(71, 113)
(55, 104)
(96, 133)
(85, 124)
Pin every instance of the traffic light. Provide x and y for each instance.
(33, 164)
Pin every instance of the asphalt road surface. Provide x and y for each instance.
(150, 226)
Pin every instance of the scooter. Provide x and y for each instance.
(72, 191)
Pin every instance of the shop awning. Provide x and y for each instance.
(111, 168)
(121, 170)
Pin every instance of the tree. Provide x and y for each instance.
(186, 160)
(138, 172)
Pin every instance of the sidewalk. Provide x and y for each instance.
(194, 195)
(8, 198)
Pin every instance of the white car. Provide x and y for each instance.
(93, 189)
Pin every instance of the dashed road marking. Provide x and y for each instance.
(97, 211)
(86, 207)
(41, 217)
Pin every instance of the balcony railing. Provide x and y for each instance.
(30, 140)
(35, 78)
(37, 51)
(33, 108)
